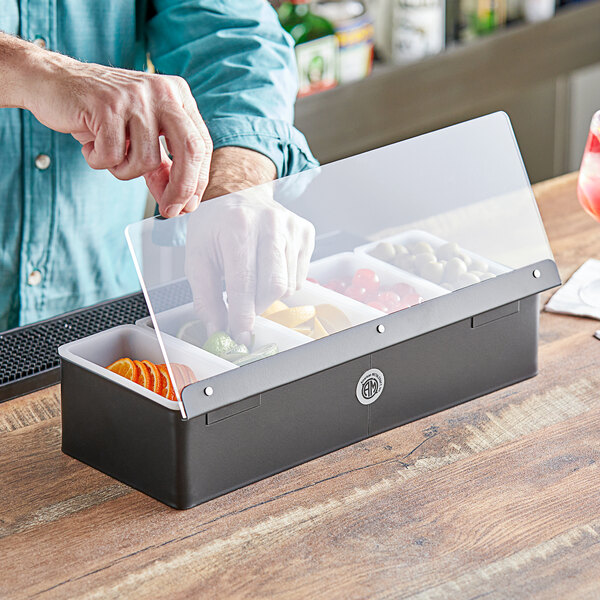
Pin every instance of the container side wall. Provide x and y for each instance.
(292, 424)
(455, 364)
(120, 433)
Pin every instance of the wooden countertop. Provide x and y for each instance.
(496, 498)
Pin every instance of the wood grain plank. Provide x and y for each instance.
(29, 410)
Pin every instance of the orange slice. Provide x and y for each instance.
(189, 375)
(155, 382)
(125, 367)
(168, 392)
(183, 375)
(161, 383)
(144, 378)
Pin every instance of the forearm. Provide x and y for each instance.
(233, 169)
(240, 65)
(18, 60)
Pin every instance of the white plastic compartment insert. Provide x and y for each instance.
(345, 264)
(98, 351)
(315, 294)
(414, 236)
(265, 331)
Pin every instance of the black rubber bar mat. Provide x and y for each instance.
(29, 358)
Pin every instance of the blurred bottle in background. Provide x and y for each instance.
(514, 11)
(337, 39)
(316, 46)
(538, 10)
(381, 14)
(418, 29)
(480, 17)
(353, 28)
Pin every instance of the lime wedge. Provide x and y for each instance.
(220, 343)
(193, 332)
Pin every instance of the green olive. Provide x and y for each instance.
(454, 268)
(448, 251)
(421, 248)
(466, 259)
(405, 261)
(434, 271)
(423, 259)
(477, 264)
(465, 279)
(384, 251)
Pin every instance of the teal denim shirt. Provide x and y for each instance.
(64, 223)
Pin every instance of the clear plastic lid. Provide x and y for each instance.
(263, 273)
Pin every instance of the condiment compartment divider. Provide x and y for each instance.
(413, 236)
(265, 331)
(345, 264)
(315, 294)
(98, 351)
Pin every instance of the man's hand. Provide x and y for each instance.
(258, 247)
(117, 116)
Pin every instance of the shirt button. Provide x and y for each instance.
(35, 278)
(42, 161)
(40, 42)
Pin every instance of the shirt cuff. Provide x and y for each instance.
(278, 140)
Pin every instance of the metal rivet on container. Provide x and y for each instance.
(537, 273)
(380, 328)
(208, 391)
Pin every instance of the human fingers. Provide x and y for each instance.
(109, 146)
(272, 269)
(143, 152)
(83, 137)
(204, 277)
(189, 154)
(306, 249)
(191, 108)
(238, 250)
(157, 180)
(291, 257)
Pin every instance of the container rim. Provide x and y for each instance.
(261, 376)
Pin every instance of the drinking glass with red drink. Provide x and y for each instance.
(588, 193)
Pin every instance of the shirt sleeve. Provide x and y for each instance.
(240, 65)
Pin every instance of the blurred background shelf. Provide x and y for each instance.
(546, 76)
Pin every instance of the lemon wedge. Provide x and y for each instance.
(318, 330)
(277, 306)
(332, 318)
(294, 316)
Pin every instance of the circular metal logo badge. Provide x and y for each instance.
(370, 386)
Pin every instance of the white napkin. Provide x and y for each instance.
(567, 299)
